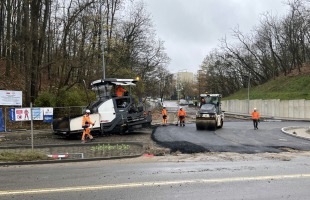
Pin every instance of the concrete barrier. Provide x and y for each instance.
(274, 108)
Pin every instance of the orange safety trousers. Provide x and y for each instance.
(164, 113)
(86, 132)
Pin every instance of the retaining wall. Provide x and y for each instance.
(297, 109)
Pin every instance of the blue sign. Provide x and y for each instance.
(48, 118)
(2, 128)
(12, 114)
(37, 113)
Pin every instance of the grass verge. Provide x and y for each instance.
(23, 156)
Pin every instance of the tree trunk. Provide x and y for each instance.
(2, 20)
(27, 51)
(8, 39)
(35, 15)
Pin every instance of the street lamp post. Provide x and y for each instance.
(249, 77)
(102, 38)
(178, 87)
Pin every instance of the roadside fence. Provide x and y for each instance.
(58, 112)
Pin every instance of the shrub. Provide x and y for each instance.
(74, 97)
(45, 99)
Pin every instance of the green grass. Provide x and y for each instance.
(283, 88)
(23, 156)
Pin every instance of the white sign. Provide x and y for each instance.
(11, 98)
(48, 111)
(22, 114)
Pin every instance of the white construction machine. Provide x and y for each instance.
(111, 113)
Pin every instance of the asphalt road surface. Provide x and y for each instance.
(237, 137)
(226, 180)
(148, 178)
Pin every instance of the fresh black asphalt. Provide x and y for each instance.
(239, 137)
(235, 136)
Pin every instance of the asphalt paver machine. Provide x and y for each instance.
(111, 113)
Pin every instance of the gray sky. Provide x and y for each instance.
(192, 28)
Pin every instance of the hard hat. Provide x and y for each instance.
(254, 108)
(87, 111)
(181, 107)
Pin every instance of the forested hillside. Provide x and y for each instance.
(48, 47)
(277, 46)
(51, 46)
(295, 85)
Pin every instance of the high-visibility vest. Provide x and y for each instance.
(164, 112)
(181, 113)
(255, 115)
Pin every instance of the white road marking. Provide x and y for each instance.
(150, 184)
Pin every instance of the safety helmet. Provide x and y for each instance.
(254, 108)
(87, 111)
(181, 107)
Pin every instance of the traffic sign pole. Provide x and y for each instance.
(31, 126)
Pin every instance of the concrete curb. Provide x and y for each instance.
(70, 145)
(67, 160)
(132, 154)
(288, 131)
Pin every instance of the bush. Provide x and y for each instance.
(74, 97)
(45, 99)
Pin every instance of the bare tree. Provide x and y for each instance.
(60, 43)
(8, 39)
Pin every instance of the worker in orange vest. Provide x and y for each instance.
(181, 115)
(119, 91)
(255, 118)
(164, 114)
(86, 122)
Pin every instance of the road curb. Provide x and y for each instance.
(66, 160)
(130, 154)
(286, 130)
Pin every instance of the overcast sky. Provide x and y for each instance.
(192, 28)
